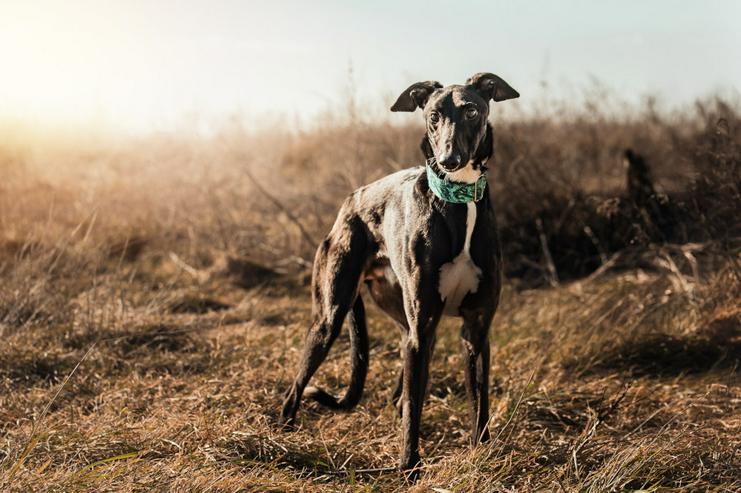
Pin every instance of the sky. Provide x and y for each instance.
(150, 64)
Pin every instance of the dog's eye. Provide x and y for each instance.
(434, 117)
(472, 113)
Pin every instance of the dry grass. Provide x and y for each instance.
(161, 268)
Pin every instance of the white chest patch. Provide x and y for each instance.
(461, 276)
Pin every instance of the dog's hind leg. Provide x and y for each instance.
(385, 290)
(358, 363)
(337, 269)
(475, 338)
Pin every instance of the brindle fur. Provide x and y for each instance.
(394, 236)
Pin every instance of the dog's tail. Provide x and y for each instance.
(358, 364)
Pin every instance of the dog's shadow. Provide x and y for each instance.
(715, 347)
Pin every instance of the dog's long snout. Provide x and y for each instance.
(448, 156)
(449, 159)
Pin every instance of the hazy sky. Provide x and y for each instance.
(146, 63)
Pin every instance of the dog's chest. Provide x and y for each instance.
(460, 276)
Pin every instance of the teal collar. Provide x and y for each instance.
(455, 191)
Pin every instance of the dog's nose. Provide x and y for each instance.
(449, 160)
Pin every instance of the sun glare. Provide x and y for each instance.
(63, 67)
(112, 63)
(147, 65)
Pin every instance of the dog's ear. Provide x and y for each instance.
(415, 96)
(490, 86)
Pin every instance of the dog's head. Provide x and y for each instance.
(458, 135)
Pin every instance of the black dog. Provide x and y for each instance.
(424, 241)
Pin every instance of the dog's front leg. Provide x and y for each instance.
(423, 315)
(475, 338)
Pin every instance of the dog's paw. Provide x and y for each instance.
(411, 467)
(286, 423)
(411, 474)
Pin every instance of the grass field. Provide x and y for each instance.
(154, 295)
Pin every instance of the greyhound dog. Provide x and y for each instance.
(424, 241)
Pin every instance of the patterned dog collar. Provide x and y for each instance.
(455, 191)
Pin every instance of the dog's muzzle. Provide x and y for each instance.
(450, 161)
